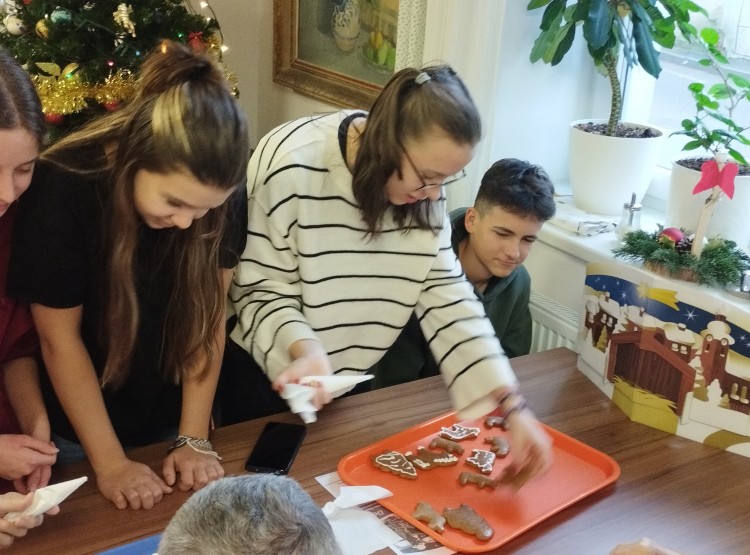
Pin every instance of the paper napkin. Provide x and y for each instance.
(359, 532)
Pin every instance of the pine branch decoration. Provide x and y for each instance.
(721, 262)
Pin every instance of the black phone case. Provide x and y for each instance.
(276, 448)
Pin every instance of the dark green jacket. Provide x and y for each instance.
(506, 303)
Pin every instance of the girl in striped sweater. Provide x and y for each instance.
(348, 234)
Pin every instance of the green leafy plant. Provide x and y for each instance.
(611, 28)
(713, 128)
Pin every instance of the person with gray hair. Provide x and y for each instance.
(253, 514)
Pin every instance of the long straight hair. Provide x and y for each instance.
(183, 118)
(19, 104)
(406, 110)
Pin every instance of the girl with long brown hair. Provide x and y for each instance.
(125, 249)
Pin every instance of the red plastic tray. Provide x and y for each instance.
(578, 471)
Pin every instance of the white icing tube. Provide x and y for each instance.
(47, 497)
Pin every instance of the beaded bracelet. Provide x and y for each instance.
(195, 443)
(518, 407)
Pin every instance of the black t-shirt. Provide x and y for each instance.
(57, 260)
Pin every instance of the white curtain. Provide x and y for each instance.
(526, 108)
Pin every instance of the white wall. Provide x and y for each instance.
(526, 108)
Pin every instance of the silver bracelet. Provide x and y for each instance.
(196, 444)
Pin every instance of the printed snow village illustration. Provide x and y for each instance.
(672, 355)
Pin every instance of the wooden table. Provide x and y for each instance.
(682, 494)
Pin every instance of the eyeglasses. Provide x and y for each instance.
(448, 180)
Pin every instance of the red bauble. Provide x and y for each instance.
(111, 106)
(671, 236)
(54, 119)
(196, 42)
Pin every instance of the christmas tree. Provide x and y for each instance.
(84, 56)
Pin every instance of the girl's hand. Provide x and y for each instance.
(193, 469)
(37, 479)
(131, 484)
(20, 455)
(531, 448)
(309, 359)
(9, 531)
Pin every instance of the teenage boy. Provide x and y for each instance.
(492, 239)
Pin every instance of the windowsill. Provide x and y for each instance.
(597, 248)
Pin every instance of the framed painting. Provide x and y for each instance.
(341, 52)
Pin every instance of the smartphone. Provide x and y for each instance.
(276, 448)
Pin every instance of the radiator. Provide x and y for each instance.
(553, 325)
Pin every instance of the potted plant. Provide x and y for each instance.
(713, 132)
(612, 29)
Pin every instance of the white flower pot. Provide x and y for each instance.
(606, 171)
(731, 217)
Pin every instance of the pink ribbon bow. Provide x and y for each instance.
(712, 176)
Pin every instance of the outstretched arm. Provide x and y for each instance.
(122, 481)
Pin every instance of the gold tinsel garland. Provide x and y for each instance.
(117, 88)
(63, 92)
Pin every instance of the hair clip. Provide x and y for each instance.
(422, 78)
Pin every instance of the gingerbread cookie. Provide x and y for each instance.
(396, 463)
(480, 480)
(426, 460)
(449, 445)
(494, 421)
(499, 445)
(425, 513)
(459, 433)
(481, 460)
(466, 519)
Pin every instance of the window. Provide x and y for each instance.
(672, 102)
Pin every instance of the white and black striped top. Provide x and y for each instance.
(309, 271)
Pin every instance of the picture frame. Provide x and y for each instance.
(342, 78)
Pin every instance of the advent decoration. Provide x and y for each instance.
(83, 56)
(674, 253)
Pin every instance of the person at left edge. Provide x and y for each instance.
(124, 246)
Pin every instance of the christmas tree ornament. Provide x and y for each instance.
(15, 25)
(122, 18)
(196, 42)
(54, 119)
(42, 31)
(61, 16)
(61, 90)
(670, 236)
